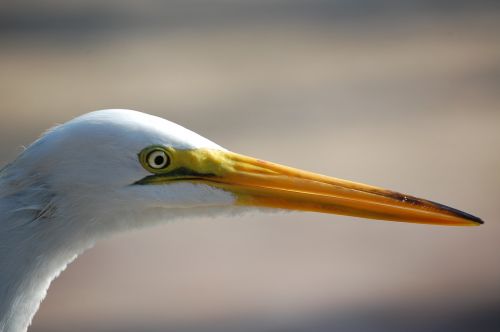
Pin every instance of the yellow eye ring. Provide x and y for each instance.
(155, 159)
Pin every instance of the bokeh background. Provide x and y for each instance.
(400, 94)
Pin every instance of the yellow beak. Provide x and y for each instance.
(263, 184)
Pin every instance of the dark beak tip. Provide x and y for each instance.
(476, 221)
(464, 215)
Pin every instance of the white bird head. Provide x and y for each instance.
(116, 169)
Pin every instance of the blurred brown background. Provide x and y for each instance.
(400, 94)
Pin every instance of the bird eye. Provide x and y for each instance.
(158, 159)
(155, 159)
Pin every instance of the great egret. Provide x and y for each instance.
(114, 170)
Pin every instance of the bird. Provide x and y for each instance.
(110, 171)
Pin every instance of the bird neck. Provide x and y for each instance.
(28, 264)
(34, 249)
(26, 273)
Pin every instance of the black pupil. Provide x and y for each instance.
(159, 160)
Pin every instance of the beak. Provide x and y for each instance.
(263, 184)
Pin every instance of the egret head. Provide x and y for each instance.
(116, 169)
